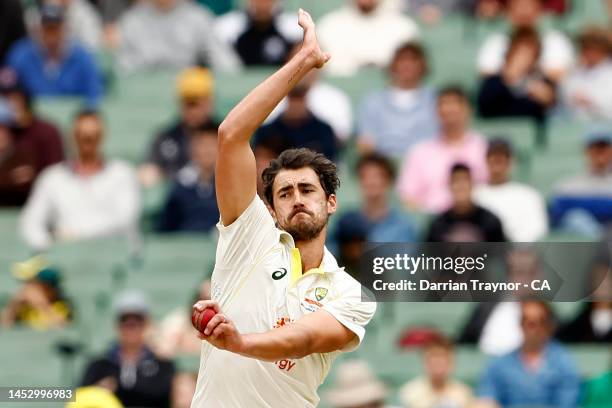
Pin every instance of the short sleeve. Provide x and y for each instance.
(248, 237)
(349, 309)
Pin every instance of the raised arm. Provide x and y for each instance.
(236, 174)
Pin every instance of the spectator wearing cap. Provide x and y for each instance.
(583, 202)
(191, 204)
(86, 197)
(464, 221)
(520, 89)
(327, 102)
(393, 120)
(40, 302)
(129, 368)
(169, 151)
(383, 222)
(557, 54)
(83, 23)
(12, 25)
(171, 34)
(539, 373)
(521, 208)
(356, 386)
(297, 126)
(436, 388)
(17, 169)
(261, 34)
(587, 91)
(40, 139)
(376, 29)
(50, 64)
(424, 178)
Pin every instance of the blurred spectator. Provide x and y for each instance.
(598, 391)
(87, 197)
(583, 202)
(382, 222)
(495, 326)
(433, 11)
(266, 151)
(83, 22)
(94, 397)
(175, 333)
(129, 368)
(40, 302)
(486, 10)
(592, 324)
(376, 29)
(464, 221)
(351, 236)
(40, 139)
(587, 91)
(183, 389)
(261, 34)
(111, 11)
(436, 388)
(424, 177)
(50, 64)
(169, 151)
(191, 204)
(297, 126)
(539, 373)
(12, 26)
(171, 34)
(520, 89)
(521, 208)
(327, 102)
(556, 57)
(393, 120)
(17, 169)
(355, 386)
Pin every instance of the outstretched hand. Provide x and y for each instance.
(310, 44)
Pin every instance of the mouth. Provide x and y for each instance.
(298, 213)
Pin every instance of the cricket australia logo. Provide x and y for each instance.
(320, 293)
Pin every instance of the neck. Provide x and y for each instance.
(206, 175)
(376, 209)
(498, 181)
(406, 86)
(131, 352)
(311, 251)
(463, 208)
(437, 384)
(453, 135)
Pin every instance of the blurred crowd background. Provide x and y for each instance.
(450, 121)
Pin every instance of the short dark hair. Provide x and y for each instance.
(544, 305)
(293, 159)
(524, 35)
(500, 145)
(208, 127)
(87, 113)
(453, 90)
(379, 160)
(460, 167)
(415, 49)
(595, 36)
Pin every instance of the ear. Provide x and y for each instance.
(332, 204)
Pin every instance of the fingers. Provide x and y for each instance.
(204, 304)
(214, 322)
(304, 19)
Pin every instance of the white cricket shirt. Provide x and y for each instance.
(259, 284)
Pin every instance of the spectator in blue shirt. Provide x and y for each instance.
(191, 204)
(394, 119)
(383, 222)
(540, 373)
(52, 65)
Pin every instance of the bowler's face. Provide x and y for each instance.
(301, 206)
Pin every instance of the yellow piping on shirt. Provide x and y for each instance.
(296, 268)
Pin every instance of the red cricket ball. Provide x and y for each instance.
(201, 319)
